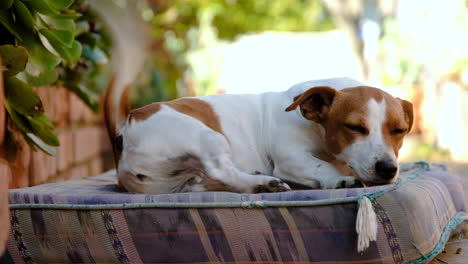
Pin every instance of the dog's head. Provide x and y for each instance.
(362, 126)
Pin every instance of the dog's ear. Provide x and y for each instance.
(408, 109)
(314, 103)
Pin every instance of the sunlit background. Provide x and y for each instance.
(414, 49)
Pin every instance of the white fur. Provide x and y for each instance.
(258, 135)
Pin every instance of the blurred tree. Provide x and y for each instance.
(238, 17)
(186, 30)
(362, 21)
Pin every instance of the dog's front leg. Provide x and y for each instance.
(308, 170)
(223, 170)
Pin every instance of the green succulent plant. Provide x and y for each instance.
(45, 42)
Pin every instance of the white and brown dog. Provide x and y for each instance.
(330, 133)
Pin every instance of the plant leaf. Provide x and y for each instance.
(7, 22)
(26, 127)
(86, 95)
(43, 129)
(70, 55)
(20, 121)
(43, 7)
(5, 4)
(60, 4)
(82, 28)
(75, 52)
(22, 98)
(45, 77)
(87, 38)
(58, 37)
(59, 23)
(95, 55)
(23, 14)
(39, 57)
(71, 14)
(13, 58)
(41, 144)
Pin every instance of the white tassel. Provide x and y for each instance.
(366, 224)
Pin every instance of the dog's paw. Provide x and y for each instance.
(273, 185)
(349, 182)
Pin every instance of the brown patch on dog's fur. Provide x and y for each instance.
(340, 165)
(324, 155)
(193, 107)
(198, 109)
(144, 112)
(395, 121)
(343, 168)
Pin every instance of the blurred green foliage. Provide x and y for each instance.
(426, 151)
(233, 18)
(187, 30)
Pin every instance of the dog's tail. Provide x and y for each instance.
(128, 56)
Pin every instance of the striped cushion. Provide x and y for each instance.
(91, 220)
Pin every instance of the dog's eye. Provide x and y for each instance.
(397, 131)
(357, 128)
(141, 177)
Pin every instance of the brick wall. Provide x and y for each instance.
(84, 148)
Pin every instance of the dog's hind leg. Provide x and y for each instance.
(222, 173)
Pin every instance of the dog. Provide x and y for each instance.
(330, 133)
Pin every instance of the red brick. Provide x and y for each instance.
(86, 143)
(4, 169)
(77, 172)
(51, 162)
(89, 116)
(65, 152)
(44, 95)
(76, 109)
(19, 161)
(55, 102)
(100, 115)
(4, 209)
(61, 107)
(105, 144)
(38, 169)
(95, 166)
(81, 113)
(61, 177)
(2, 112)
(42, 167)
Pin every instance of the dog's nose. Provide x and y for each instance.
(386, 169)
